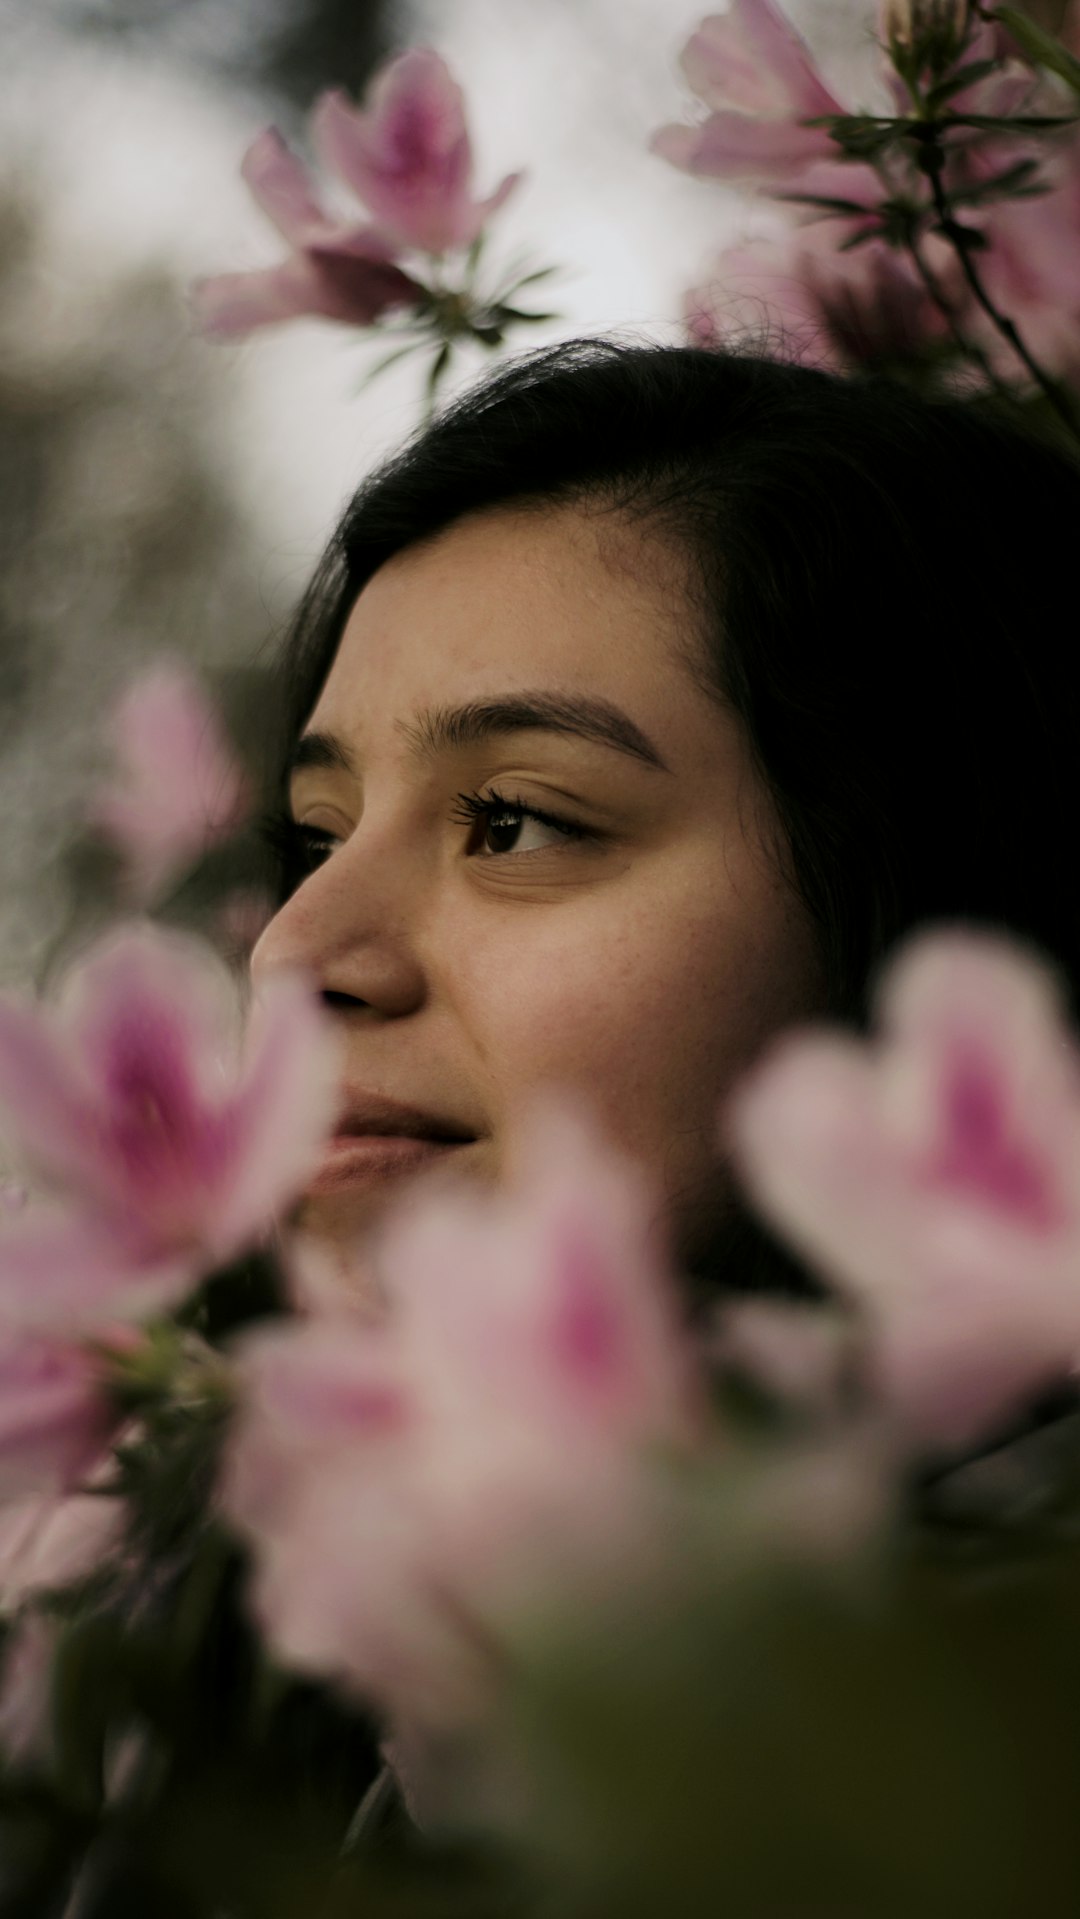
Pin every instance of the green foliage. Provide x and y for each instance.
(1040, 47)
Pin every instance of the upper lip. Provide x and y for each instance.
(369, 1113)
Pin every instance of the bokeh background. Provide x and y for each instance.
(159, 492)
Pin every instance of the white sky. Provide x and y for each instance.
(143, 162)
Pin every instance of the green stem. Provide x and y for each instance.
(932, 157)
(970, 349)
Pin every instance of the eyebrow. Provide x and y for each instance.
(442, 729)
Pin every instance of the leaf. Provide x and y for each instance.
(1016, 182)
(1040, 46)
(1009, 123)
(956, 83)
(437, 369)
(530, 279)
(827, 204)
(391, 359)
(516, 313)
(856, 240)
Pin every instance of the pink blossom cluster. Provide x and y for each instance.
(870, 305)
(158, 1145)
(154, 1138)
(406, 156)
(417, 1485)
(932, 1175)
(481, 1446)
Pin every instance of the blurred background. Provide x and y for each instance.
(161, 492)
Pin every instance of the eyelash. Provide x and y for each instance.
(471, 808)
(296, 850)
(299, 850)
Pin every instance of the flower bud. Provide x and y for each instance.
(925, 34)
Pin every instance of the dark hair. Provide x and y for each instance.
(884, 584)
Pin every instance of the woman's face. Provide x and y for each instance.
(538, 862)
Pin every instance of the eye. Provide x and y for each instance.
(298, 849)
(503, 825)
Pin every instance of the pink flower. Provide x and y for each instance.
(934, 1176)
(447, 1469)
(759, 81)
(408, 156)
(177, 788)
(54, 1415)
(173, 1145)
(336, 269)
(1031, 269)
(866, 308)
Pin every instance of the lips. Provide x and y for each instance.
(378, 1140)
(367, 1117)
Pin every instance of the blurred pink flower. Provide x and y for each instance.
(173, 1141)
(934, 1176)
(760, 82)
(407, 155)
(177, 788)
(336, 269)
(866, 308)
(1031, 269)
(447, 1469)
(54, 1415)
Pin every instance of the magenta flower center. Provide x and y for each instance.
(979, 1153)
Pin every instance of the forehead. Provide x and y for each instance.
(571, 598)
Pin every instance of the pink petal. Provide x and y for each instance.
(730, 147)
(228, 306)
(283, 188)
(725, 72)
(551, 1307)
(408, 158)
(485, 208)
(54, 1417)
(285, 1104)
(983, 1077)
(46, 1102)
(357, 285)
(784, 54)
(64, 1268)
(956, 1222)
(154, 1019)
(178, 787)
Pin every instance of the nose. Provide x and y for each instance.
(352, 926)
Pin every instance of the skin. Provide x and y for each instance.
(641, 967)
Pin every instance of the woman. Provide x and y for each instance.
(637, 709)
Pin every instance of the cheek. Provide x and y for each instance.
(650, 1012)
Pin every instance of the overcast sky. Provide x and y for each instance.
(142, 162)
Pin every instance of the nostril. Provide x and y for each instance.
(341, 1002)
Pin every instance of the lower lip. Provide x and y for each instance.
(361, 1159)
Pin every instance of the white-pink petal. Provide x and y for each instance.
(54, 1417)
(286, 1099)
(177, 787)
(283, 188)
(784, 54)
(932, 1175)
(729, 146)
